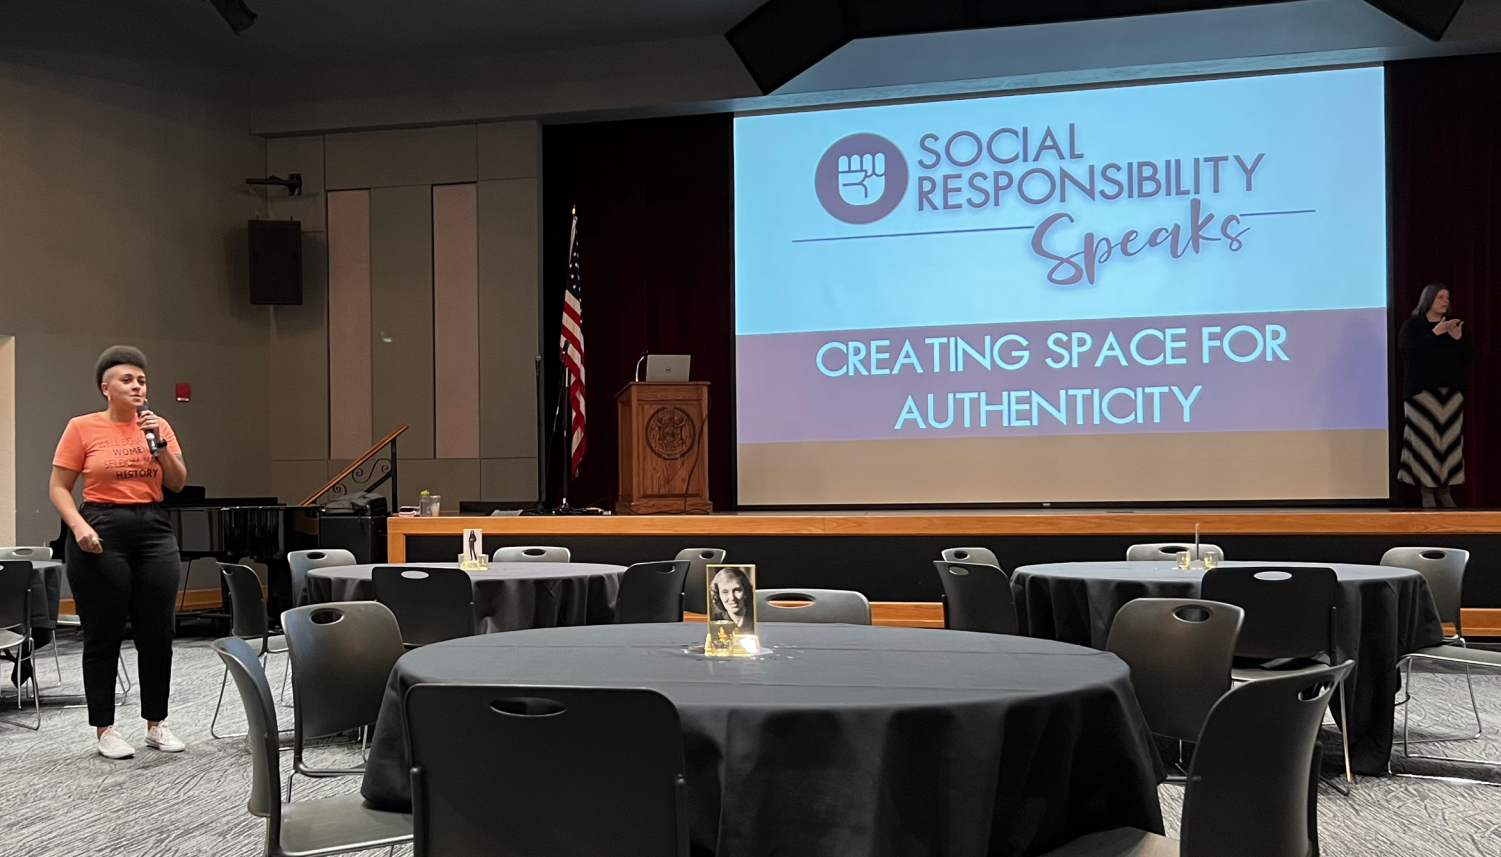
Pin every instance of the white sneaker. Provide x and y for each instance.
(162, 739)
(113, 746)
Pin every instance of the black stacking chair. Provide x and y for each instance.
(1247, 792)
(651, 592)
(813, 605)
(1180, 652)
(15, 626)
(1157, 551)
(983, 556)
(431, 604)
(1290, 624)
(1444, 570)
(342, 653)
(599, 771)
(302, 562)
(309, 828)
(533, 553)
(976, 598)
(695, 585)
(247, 608)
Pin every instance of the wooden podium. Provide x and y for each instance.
(664, 447)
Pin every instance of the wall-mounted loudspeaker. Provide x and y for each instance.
(276, 262)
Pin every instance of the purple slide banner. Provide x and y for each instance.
(1283, 371)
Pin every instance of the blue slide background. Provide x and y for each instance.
(1323, 134)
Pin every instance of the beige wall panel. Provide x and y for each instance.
(292, 481)
(349, 353)
(401, 315)
(1291, 465)
(508, 479)
(299, 362)
(304, 156)
(454, 479)
(510, 150)
(423, 156)
(509, 275)
(455, 322)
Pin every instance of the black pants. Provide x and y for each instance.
(134, 580)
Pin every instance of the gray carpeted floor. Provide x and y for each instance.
(60, 799)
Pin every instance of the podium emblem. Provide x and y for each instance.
(670, 433)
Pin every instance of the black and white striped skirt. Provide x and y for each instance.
(1433, 443)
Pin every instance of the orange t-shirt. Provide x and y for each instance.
(113, 458)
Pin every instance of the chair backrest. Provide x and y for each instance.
(1180, 652)
(976, 597)
(533, 553)
(342, 654)
(301, 562)
(813, 605)
(695, 585)
(28, 553)
(983, 556)
(247, 604)
(15, 588)
(261, 738)
(598, 771)
(1247, 790)
(431, 604)
(651, 592)
(1444, 569)
(1170, 551)
(1289, 610)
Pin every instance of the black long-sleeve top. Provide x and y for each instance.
(1429, 361)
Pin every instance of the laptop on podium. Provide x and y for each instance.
(667, 367)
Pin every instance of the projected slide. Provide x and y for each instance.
(1164, 292)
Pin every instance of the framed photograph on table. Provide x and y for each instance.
(732, 610)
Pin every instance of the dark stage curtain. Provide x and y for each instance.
(654, 204)
(1444, 150)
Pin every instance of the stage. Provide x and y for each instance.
(888, 554)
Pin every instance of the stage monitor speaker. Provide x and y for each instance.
(784, 38)
(276, 262)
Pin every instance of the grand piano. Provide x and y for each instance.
(231, 529)
(264, 530)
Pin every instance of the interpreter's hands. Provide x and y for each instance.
(87, 538)
(1458, 329)
(1449, 326)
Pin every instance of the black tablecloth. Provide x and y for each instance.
(847, 740)
(1383, 614)
(511, 596)
(46, 591)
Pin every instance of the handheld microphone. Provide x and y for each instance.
(151, 441)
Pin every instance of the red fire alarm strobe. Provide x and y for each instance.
(184, 392)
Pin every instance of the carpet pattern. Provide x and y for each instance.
(58, 798)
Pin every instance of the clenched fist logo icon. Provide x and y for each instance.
(861, 178)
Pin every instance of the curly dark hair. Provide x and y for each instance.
(117, 355)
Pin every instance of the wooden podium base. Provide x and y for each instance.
(664, 448)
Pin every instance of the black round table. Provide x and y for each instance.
(1384, 613)
(847, 739)
(510, 596)
(46, 591)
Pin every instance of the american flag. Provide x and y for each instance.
(571, 345)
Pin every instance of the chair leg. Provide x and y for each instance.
(213, 724)
(1344, 733)
(286, 670)
(23, 657)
